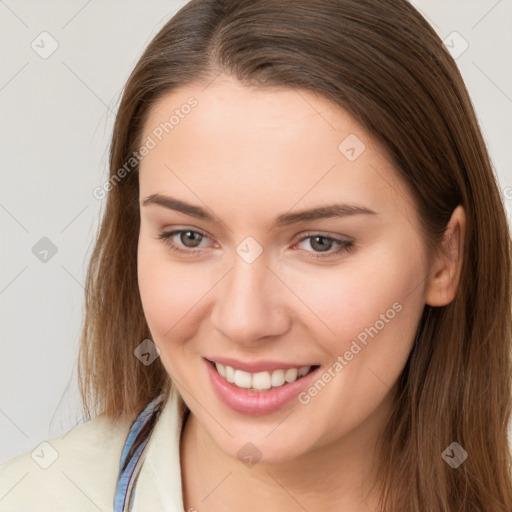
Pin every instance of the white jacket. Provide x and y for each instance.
(78, 471)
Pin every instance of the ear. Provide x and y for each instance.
(447, 265)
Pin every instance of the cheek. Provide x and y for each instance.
(373, 348)
(170, 294)
(376, 296)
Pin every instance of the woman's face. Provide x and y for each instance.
(262, 287)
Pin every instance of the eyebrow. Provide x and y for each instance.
(285, 219)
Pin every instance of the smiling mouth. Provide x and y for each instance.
(261, 381)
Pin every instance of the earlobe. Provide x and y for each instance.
(447, 265)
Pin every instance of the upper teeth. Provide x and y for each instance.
(262, 380)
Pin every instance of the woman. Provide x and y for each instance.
(300, 293)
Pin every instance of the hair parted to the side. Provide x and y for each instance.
(384, 64)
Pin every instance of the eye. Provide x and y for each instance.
(188, 238)
(188, 242)
(322, 245)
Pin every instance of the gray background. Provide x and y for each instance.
(57, 114)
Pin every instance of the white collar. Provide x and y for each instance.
(159, 482)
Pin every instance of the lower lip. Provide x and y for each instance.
(256, 403)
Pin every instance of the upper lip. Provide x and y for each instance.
(256, 366)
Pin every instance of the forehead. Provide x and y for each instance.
(263, 146)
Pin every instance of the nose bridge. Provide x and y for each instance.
(248, 304)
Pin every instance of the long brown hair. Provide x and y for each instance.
(384, 64)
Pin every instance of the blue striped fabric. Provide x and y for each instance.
(129, 465)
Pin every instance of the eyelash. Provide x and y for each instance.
(344, 245)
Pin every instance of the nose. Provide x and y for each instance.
(250, 303)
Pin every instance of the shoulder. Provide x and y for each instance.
(76, 470)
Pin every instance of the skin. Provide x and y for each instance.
(248, 155)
